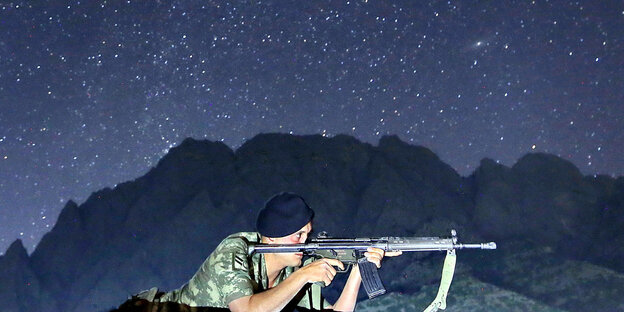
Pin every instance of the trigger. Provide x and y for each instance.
(346, 268)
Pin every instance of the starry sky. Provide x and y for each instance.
(94, 92)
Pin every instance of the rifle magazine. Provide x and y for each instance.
(370, 278)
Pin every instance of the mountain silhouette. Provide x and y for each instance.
(159, 228)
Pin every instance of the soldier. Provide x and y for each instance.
(230, 278)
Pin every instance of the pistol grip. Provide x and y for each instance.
(370, 278)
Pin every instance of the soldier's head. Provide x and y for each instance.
(285, 219)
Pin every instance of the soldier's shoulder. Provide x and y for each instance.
(240, 239)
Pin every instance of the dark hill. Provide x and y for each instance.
(158, 229)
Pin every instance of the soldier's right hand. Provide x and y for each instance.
(321, 270)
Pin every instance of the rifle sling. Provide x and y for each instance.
(445, 282)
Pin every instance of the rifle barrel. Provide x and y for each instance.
(490, 245)
(406, 244)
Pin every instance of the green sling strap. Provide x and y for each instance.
(445, 282)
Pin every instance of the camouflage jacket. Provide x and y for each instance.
(229, 273)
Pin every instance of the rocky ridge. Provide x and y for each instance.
(158, 229)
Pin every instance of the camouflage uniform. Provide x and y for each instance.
(229, 273)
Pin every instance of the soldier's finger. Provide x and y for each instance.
(327, 268)
(327, 281)
(376, 250)
(393, 253)
(331, 269)
(372, 256)
(331, 275)
(335, 262)
(376, 261)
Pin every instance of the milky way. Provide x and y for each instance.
(94, 93)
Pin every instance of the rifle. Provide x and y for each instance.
(351, 251)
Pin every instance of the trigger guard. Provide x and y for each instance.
(347, 267)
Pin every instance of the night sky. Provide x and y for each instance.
(94, 93)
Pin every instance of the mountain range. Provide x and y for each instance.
(560, 233)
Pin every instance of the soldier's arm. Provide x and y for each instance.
(276, 298)
(348, 297)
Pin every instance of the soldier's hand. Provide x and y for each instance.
(321, 270)
(375, 255)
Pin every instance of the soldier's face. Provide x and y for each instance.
(299, 237)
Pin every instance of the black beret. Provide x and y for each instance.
(283, 214)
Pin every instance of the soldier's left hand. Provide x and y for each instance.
(375, 255)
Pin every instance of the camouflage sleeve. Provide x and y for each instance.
(222, 278)
(231, 271)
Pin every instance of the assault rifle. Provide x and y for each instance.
(351, 251)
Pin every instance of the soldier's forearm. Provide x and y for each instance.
(273, 299)
(348, 297)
